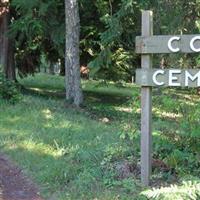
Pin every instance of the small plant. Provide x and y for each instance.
(8, 89)
(189, 126)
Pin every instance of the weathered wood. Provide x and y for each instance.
(158, 44)
(184, 78)
(146, 105)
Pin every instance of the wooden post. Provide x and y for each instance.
(146, 106)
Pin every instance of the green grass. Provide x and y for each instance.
(72, 153)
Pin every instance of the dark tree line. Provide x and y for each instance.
(107, 34)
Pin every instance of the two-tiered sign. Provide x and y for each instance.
(146, 45)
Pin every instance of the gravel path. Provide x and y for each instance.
(14, 185)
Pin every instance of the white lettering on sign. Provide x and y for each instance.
(173, 78)
(178, 38)
(192, 44)
(171, 48)
(155, 77)
(192, 78)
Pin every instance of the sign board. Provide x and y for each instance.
(146, 77)
(168, 77)
(168, 44)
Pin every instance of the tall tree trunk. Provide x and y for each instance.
(6, 44)
(72, 59)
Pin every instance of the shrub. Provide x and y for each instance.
(8, 89)
(189, 126)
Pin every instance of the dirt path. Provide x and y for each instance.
(14, 185)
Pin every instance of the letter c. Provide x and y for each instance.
(170, 44)
(192, 44)
(155, 75)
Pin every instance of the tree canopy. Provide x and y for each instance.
(108, 30)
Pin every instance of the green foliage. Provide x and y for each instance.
(118, 38)
(177, 142)
(188, 189)
(108, 30)
(38, 28)
(8, 90)
(189, 126)
(117, 60)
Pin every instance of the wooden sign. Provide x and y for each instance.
(168, 44)
(169, 77)
(146, 45)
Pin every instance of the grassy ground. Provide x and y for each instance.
(83, 153)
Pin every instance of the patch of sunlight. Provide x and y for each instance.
(36, 89)
(13, 119)
(47, 113)
(155, 133)
(166, 114)
(64, 123)
(124, 109)
(189, 103)
(4, 131)
(189, 97)
(43, 90)
(138, 111)
(39, 148)
(188, 190)
(61, 150)
(12, 134)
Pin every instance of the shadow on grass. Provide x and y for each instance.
(54, 94)
(99, 104)
(101, 97)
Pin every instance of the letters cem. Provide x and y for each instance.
(173, 79)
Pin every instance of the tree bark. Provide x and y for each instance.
(72, 59)
(6, 47)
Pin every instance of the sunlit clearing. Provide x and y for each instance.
(39, 148)
(166, 114)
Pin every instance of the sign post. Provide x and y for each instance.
(147, 45)
(146, 105)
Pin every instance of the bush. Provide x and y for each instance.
(189, 126)
(8, 90)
